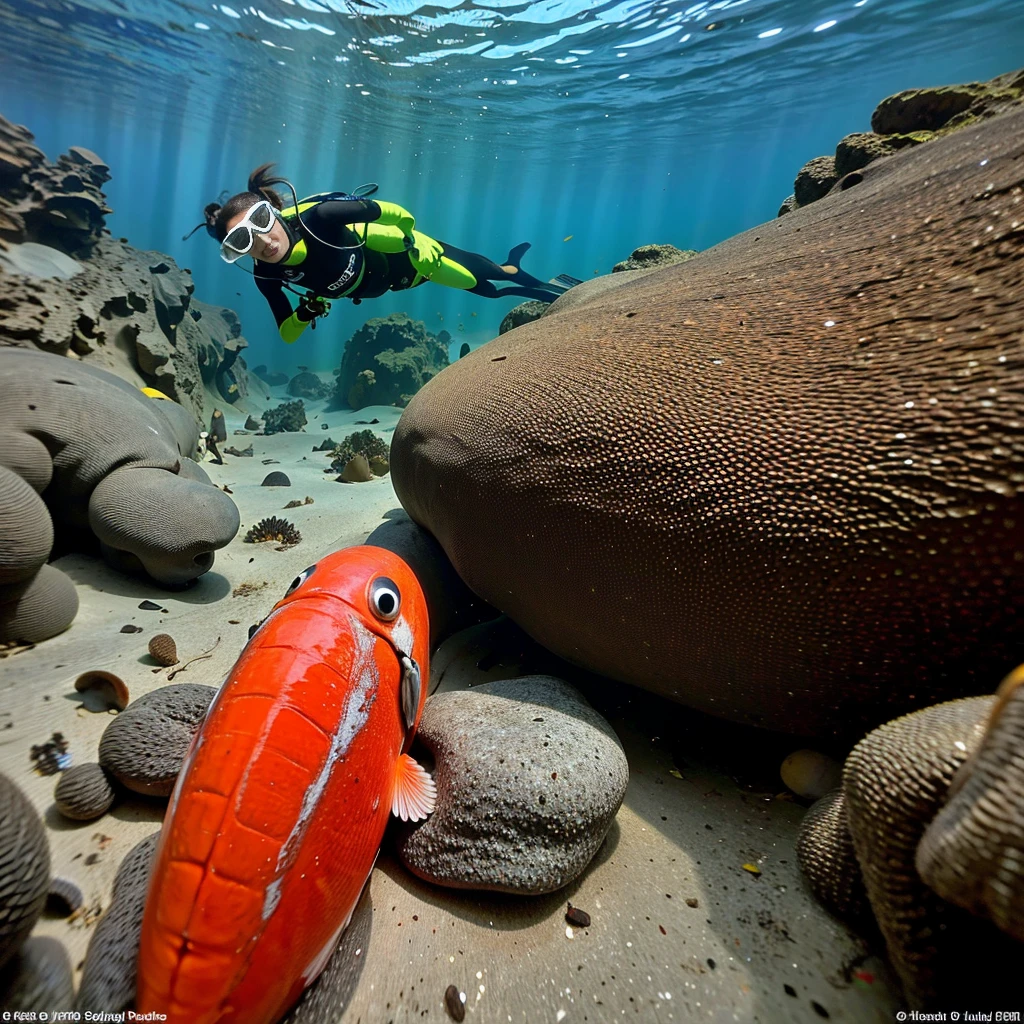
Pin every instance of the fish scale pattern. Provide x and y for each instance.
(780, 482)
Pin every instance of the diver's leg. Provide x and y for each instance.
(469, 271)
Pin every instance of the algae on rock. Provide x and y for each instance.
(386, 362)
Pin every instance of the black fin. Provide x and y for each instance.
(516, 253)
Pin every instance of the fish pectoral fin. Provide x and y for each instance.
(415, 792)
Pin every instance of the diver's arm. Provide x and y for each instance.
(289, 326)
(362, 211)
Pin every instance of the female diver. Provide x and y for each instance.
(336, 245)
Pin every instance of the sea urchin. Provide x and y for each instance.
(273, 528)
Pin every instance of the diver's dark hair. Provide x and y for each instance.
(217, 216)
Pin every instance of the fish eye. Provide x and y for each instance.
(300, 579)
(385, 600)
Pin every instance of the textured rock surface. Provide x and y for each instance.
(84, 792)
(130, 311)
(895, 782)
(906, 119)
(85, 449)
(971, 852)
(657, 255)
(291, 416)
(386, 362)
(781, 483)
(24, 868)
(524, 313)
(108, 978)
(144, 747)
(529, 778)
(814, 179)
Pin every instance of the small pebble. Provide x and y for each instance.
(151, 606)
(131, 629)
(163, 650)
(578, 917)
(692, 901)
(453, 1002)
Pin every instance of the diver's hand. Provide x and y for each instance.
(405, 225)
(310, 307)
(427, 255)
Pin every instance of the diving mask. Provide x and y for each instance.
(239, 240)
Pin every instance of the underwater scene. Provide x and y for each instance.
(512, 511)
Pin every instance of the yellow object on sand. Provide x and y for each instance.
(153, 393)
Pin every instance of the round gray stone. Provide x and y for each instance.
(529, 777)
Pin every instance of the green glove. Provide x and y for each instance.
(426, 256)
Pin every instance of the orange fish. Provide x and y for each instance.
(281, 804)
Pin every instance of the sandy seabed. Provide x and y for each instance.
(679, 929)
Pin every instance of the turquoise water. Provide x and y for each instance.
(615, 123)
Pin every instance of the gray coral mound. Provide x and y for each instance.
(529, 779)
(83, 452)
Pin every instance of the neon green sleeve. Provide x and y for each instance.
(393, 215)
(292, 328)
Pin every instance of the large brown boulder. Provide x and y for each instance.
(781, 483)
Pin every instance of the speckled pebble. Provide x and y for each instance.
(529, 778)
(143, 748)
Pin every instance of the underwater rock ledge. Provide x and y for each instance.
(780, 483)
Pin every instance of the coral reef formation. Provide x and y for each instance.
(129, 311)
(291, 416)
(361, 442)
(507, 820)
(86, 458)
(906, 119)
(827, 456)
(386, 362)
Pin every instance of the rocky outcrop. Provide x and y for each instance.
(59, 205)
(308, 385)
(386, 362)
(646, 257)
(524, 313)
(906, 119)
(68, 287)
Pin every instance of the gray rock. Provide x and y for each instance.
(529, 778)
(789, 204)
(145, 746)
(524, 313)
(647, 256)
